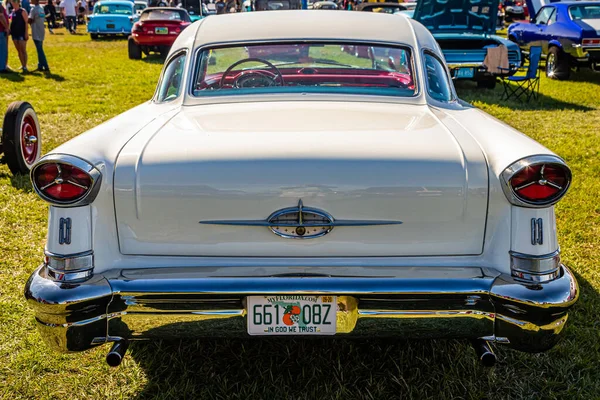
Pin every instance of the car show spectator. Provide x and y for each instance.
(26, 5)
(50, 15)
(19, 31)
(69, 9)
(4, 25)
(36, 19)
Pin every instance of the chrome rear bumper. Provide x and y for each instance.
(473, 303)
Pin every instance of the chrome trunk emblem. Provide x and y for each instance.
(301, 222)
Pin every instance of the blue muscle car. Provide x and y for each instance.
(112, 18)
(465, 29)
(569, 33)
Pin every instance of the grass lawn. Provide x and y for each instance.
(93, 81)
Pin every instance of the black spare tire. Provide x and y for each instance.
(21, 137)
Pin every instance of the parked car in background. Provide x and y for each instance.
(111, 17)
(569, 33)
(324, 5)
(156, 30)
(386, 8)
(139, 6)
(464, 31)
(317, 196)
(513, 10)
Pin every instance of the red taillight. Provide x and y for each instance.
(591, 42)
(62, 182)
(539, 181)
(137, 27)
(65, 180)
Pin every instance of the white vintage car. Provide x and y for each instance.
(277, 184)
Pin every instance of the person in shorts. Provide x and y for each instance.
(4, 29)
(19, 32)
(36, 19)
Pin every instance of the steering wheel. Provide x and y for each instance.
(247, 76)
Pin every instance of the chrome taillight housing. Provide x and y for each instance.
(536, 181)
(65, 180)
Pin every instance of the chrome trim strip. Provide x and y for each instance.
(93, 172)
(271, 223)
(336, 223)
(523, 163)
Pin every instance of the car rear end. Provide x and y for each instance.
(159, 27)
(111, 18)
(587, 18)
(302, 216)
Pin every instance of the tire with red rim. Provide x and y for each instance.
(21, 137)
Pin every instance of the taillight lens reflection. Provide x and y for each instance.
(62, 182)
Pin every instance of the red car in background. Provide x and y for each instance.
(156, 30)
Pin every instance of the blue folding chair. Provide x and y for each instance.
(528, 85)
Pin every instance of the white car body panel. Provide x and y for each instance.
(135, 138)
(245, 161)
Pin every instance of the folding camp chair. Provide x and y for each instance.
(527, 85)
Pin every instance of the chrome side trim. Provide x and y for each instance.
(93, 172)
(526, 162)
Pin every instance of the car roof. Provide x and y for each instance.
(306, 25)
(122, 2)
(165, 8)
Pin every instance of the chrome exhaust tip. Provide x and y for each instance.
(484, 352)
(116, 353)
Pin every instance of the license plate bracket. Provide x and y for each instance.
(110, 26)
(291, 315)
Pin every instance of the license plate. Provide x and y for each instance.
(464, 73)
(161, 31)
(110, 26)
(291, 315)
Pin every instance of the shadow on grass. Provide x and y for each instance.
(18, 181)
(469, 92)
(12, 76)
(153, 59)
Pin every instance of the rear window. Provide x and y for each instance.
(348, 68)
(585, 12)
(168, 15)
(113, 9)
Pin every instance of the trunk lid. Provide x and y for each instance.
(457, 16)
(208, 181)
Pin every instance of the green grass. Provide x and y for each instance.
(93, 81)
